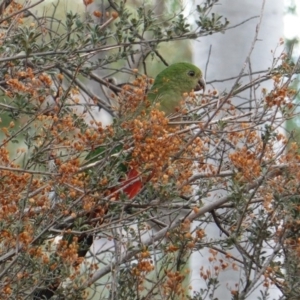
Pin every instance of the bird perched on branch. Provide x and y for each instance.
(168, 92)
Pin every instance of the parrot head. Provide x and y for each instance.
(173, 82)
(182, 76)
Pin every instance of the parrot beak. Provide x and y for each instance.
(200, 85)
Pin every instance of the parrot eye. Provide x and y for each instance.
(191, 73)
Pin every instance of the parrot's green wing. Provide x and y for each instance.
(102, 152)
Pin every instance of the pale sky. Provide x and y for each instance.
(292, 22)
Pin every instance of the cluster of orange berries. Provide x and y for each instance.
(27, 82)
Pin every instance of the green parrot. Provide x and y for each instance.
(171, 83)
(168, 91)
